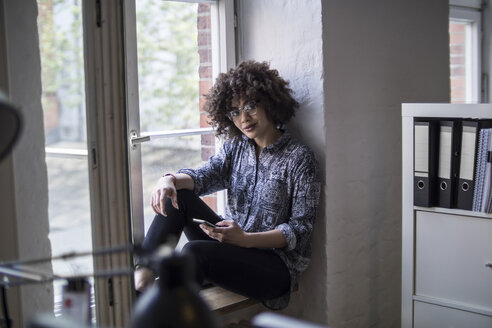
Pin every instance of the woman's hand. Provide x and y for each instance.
(227, 231)
(230, 232)
(164, 188)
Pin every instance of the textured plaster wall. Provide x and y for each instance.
(28, 179)
(487, 48)
(377, 56)
(287, 33)
(352, 63)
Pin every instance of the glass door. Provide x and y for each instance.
(176, 56)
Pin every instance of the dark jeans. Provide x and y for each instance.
(257, 273)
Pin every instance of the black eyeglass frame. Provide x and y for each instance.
(249, 108)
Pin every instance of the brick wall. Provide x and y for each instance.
(205, 73)
(457, 47)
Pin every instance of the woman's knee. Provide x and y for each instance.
(192, 248)
(199, 250)
(186, 195)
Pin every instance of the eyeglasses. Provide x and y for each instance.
(235, 113)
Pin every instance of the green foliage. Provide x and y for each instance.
(168, 64)
(167, 55)
(62, 61)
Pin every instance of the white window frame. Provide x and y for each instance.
(473, 50)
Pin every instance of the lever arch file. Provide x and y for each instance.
(483, 174)
(466, 182)
(449, 151)
(470, 137)
(426, 134)
(480, 170)
(488, 176)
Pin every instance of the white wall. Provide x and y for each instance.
(288, 34)
(487, 47)
(353, 63)
(377, 55)
(28, 231)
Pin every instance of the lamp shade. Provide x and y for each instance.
(10, 125)
(173, 301)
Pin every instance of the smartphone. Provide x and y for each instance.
(200, 221)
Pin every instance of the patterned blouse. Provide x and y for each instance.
(280, 190)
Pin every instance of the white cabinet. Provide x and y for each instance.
(446, 253)
(430, 315)
(451, 256)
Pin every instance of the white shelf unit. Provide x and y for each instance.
(445, 278)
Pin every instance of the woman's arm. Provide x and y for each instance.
(166, 187)
(267, 239)
(228, 231)
(183, 181)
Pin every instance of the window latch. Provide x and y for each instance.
(135, 139)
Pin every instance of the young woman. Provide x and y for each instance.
(273, 188)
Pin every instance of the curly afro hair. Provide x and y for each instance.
(251, 81)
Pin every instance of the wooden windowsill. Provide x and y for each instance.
(222, 301)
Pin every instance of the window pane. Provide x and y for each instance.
(457, 48)
(169, 155)
(63, 100)
(174, 48)
(168, 64)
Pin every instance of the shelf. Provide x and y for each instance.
(453, 211)
(446, 306)
(476, 111)
(452, 305)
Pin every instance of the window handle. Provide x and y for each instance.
(135, 139)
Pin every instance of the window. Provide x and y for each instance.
(178, 47)
(464, 46)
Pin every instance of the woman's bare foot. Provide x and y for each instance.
(144, 278)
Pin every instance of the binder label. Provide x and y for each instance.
(445, 152)
(467, 152)
(421, 148)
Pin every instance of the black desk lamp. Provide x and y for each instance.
(173, 301)
(10, 125)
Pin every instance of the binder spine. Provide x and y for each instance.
(453, 163)
(481, 169)
(449, 160)
(470, 138)
(426, 151)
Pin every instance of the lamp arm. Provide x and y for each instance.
(103, 251)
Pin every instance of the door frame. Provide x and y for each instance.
(107, 151)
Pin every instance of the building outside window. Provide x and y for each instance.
(465, 54)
